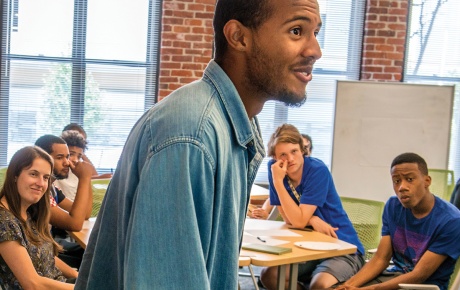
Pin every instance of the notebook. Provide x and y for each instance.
(267, 249)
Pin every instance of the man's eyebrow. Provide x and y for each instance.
(302, 18)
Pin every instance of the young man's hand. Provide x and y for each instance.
(321, 226)
(279, 169)
(81, 169)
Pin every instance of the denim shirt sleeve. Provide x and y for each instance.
(184, 194)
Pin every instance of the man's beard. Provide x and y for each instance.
(264, 75)
(59, 176)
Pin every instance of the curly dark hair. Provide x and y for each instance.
(74, 138)
(75, 127)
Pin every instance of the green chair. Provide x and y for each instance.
(366, 217)
(99, 188)
(442, 183)
(454, 283)
(2, 175)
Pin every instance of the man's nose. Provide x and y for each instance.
(312, 49)
(402, 186)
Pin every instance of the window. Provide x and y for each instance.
(341, 40)
(93, 62)
(433, 56)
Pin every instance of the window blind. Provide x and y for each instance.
(341, 41)
(90, 62)
(433, 57)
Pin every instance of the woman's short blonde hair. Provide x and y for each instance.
(285, 133)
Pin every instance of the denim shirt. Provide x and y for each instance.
(174, 212)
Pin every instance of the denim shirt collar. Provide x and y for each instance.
(232, 102)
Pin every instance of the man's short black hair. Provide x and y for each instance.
(46, 142)
(410, 157)
(251, 13)
(306, 136)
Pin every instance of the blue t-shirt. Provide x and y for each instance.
(438, 232)
(317, 188)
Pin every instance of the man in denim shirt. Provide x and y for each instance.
(174, 211)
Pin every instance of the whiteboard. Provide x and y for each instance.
(374, 122)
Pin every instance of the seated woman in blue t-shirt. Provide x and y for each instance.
(303, 190)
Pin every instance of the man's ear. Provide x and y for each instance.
(427, 181)
(237, 35)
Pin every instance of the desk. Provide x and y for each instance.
(297, 255)
(261, 259)
(258, 194)
(82, 237)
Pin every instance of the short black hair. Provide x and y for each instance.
(74, 138)
(306, 136)
(410, 157)
(251, 13)
(46, 142)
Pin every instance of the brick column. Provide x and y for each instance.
(384, 40)
(186, 42)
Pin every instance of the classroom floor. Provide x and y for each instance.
(246, 281)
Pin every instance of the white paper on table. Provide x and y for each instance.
(250, 239)
(273, 233)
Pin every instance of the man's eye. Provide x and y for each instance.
(316, 33)
(296, 31)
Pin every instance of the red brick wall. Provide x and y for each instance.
(384, 40)
(186, 41)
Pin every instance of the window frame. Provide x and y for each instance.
(78, 62)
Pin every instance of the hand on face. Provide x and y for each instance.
(279, 169)
(81, 169)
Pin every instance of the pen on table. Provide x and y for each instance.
(262, 240)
